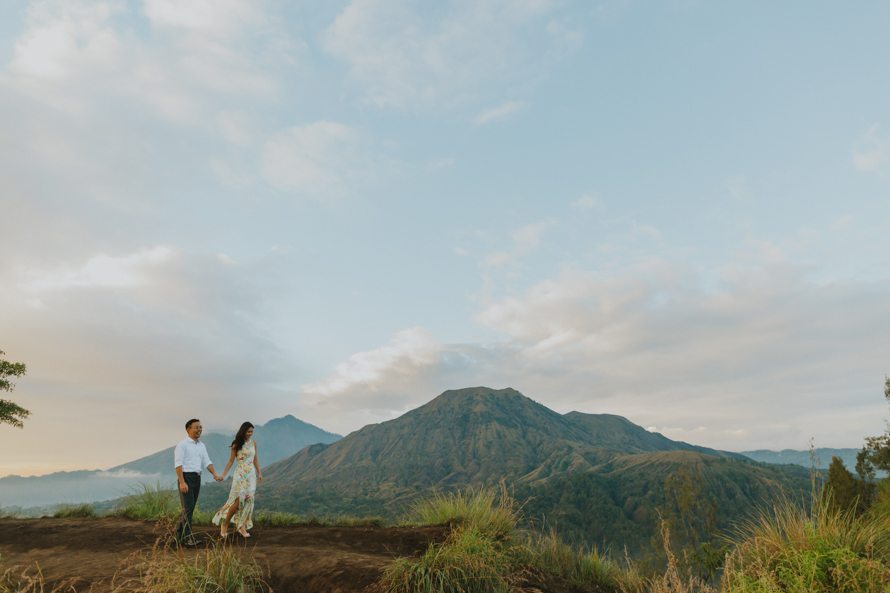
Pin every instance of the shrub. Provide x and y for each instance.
(80, 510)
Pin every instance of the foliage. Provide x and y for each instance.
(821, 550)
(216, 569)
(876, 452)
(79, 510)
(844, 491)
(11, 413)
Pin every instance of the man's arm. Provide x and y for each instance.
(177, 464)
(183, 487)
(209, 464)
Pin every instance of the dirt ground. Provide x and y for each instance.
(306, 559)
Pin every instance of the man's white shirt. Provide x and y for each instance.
(191, 455)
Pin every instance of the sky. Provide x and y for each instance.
(677, 211)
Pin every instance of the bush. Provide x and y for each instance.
(80, 510)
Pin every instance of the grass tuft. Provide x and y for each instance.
(80, 510)
(151, 503)
(216, 569)
(791, 549)
(468, 561)
(491, 512)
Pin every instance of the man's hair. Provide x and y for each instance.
(190, 422)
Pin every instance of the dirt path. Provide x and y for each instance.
(304, 559)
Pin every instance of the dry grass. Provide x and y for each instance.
(216, 569)
(30, 579)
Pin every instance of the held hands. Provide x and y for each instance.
(218, 477)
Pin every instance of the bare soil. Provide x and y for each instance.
(88, 552)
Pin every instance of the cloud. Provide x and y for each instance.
(499, 113)
(588, 202)
(717, 367)
(526, 239)
(318, 160)
(873, 153)
(103, 271)
(145, 338)
(406, 56)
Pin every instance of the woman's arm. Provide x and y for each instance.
(256, 462)
(231, 460)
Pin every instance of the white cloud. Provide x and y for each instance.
(873, 153)
(501, 112)
(402, 58)
(713, 367)
(318, 160)
(219, 18)
(103, 270)
(409, 349)
(588, 202)
(526, 239)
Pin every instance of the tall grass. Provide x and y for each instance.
(564, 567)
(468, 561)
(216, 569)
(491, 512)
(80, 510)
(790, 549)
(150, 503)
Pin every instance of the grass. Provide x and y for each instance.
(29, 580)
(151, 503)
(468, 561)
(791, 549)
(491, 512)
(80, 510)
(216, 569)
(564, 567)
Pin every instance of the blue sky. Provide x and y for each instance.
(674, 211)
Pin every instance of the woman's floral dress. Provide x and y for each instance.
(243, 489)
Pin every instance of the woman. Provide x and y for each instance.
(239, 507)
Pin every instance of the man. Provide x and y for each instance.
(189, 458)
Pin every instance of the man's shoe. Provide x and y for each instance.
(190, 542)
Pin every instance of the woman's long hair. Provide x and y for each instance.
(241, 436)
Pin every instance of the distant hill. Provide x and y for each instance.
(610, 476)
(822, 457)
(278, 439)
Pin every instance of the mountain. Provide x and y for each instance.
(822, 457)
(620, 474)
(278, 439)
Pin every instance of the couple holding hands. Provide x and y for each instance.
(190, 458)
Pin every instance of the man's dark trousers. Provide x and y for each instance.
(189, 500)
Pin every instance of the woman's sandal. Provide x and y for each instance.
(243, 532)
